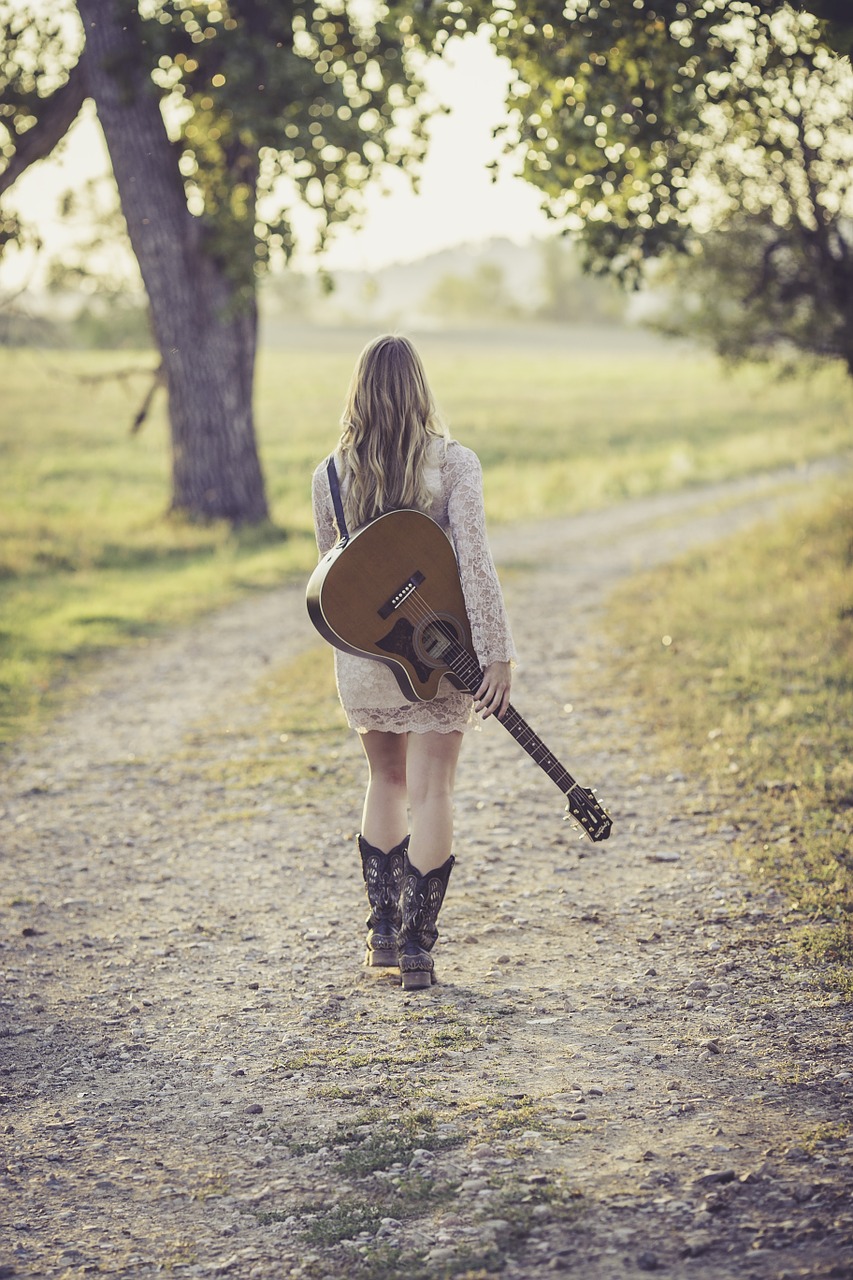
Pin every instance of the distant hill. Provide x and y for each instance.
(494, 281)
(470, 287)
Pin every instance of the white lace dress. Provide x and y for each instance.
(369, 693)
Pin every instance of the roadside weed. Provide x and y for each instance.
(740, 659)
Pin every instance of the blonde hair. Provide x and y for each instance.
(388, 422)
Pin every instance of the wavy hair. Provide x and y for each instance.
(389, 420)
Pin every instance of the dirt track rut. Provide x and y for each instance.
(621, 1072)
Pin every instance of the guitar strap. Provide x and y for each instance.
(336, 498)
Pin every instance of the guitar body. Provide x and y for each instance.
(392, 593)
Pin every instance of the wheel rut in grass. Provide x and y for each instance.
(620, 1072)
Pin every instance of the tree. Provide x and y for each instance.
(479, 296)
(612, 99)
(771, 270)
(722, 293)
(220, 116)
(569, 294)
(834, 16)
(647, 124)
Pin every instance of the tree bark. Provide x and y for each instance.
(205, 322)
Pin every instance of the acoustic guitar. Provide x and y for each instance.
(391, 591)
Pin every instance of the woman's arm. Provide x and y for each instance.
(492, 697)
(325, 529)
(490, 629)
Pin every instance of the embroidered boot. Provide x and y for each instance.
(420, 903)
(383, 876)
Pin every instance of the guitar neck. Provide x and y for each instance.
(582, 804)
(469, 671)
(537, 750)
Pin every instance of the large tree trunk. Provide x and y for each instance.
(205, 322)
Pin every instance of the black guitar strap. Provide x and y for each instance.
(336, 498)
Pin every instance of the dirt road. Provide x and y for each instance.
(621, 1072)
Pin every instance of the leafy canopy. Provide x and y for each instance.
(616, 102)
(269, 104)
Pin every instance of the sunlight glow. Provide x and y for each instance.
(457, 201)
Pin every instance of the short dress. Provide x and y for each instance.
(369, 693)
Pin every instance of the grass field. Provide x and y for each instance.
(752, 689)
(89, 561)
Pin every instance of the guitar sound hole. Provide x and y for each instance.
(434, 638)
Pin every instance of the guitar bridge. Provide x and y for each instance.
(401, 595)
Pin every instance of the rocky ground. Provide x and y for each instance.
(621, 1072)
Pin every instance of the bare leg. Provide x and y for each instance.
(431, 773)
(384, 821)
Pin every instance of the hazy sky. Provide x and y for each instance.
(457, 202)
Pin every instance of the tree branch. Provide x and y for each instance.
(159, 380)
(763, 280)
(157, 377)
(60, 111)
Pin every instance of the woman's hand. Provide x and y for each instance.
(492, 697)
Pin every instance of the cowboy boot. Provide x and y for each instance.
(383, 875)
(420, 902)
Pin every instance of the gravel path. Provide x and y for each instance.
(620, 1072)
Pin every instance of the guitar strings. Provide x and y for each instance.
(582, 805)
(471, 672)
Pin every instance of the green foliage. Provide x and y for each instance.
(570, 294)
(39, 45)
(606, 99)
(647, 123)
(20, 329)
(614, 100)
(386, 1144)
(373, 1152)
(755, 692)
(774, 273)
(112, 324)
(300, 96)
(834, 16)
(106, 321)
(97, 261)
(564, 293)
(269, 105)
(723, 294)
(482, 296)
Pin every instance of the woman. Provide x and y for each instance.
(394, 452)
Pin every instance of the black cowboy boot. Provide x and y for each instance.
(383, 875)
(420, 902)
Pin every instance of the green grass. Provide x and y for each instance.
(89, 560)
(372, 1152)
(299, 735)
(740, 660)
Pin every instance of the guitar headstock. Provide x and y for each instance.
(585, 810)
